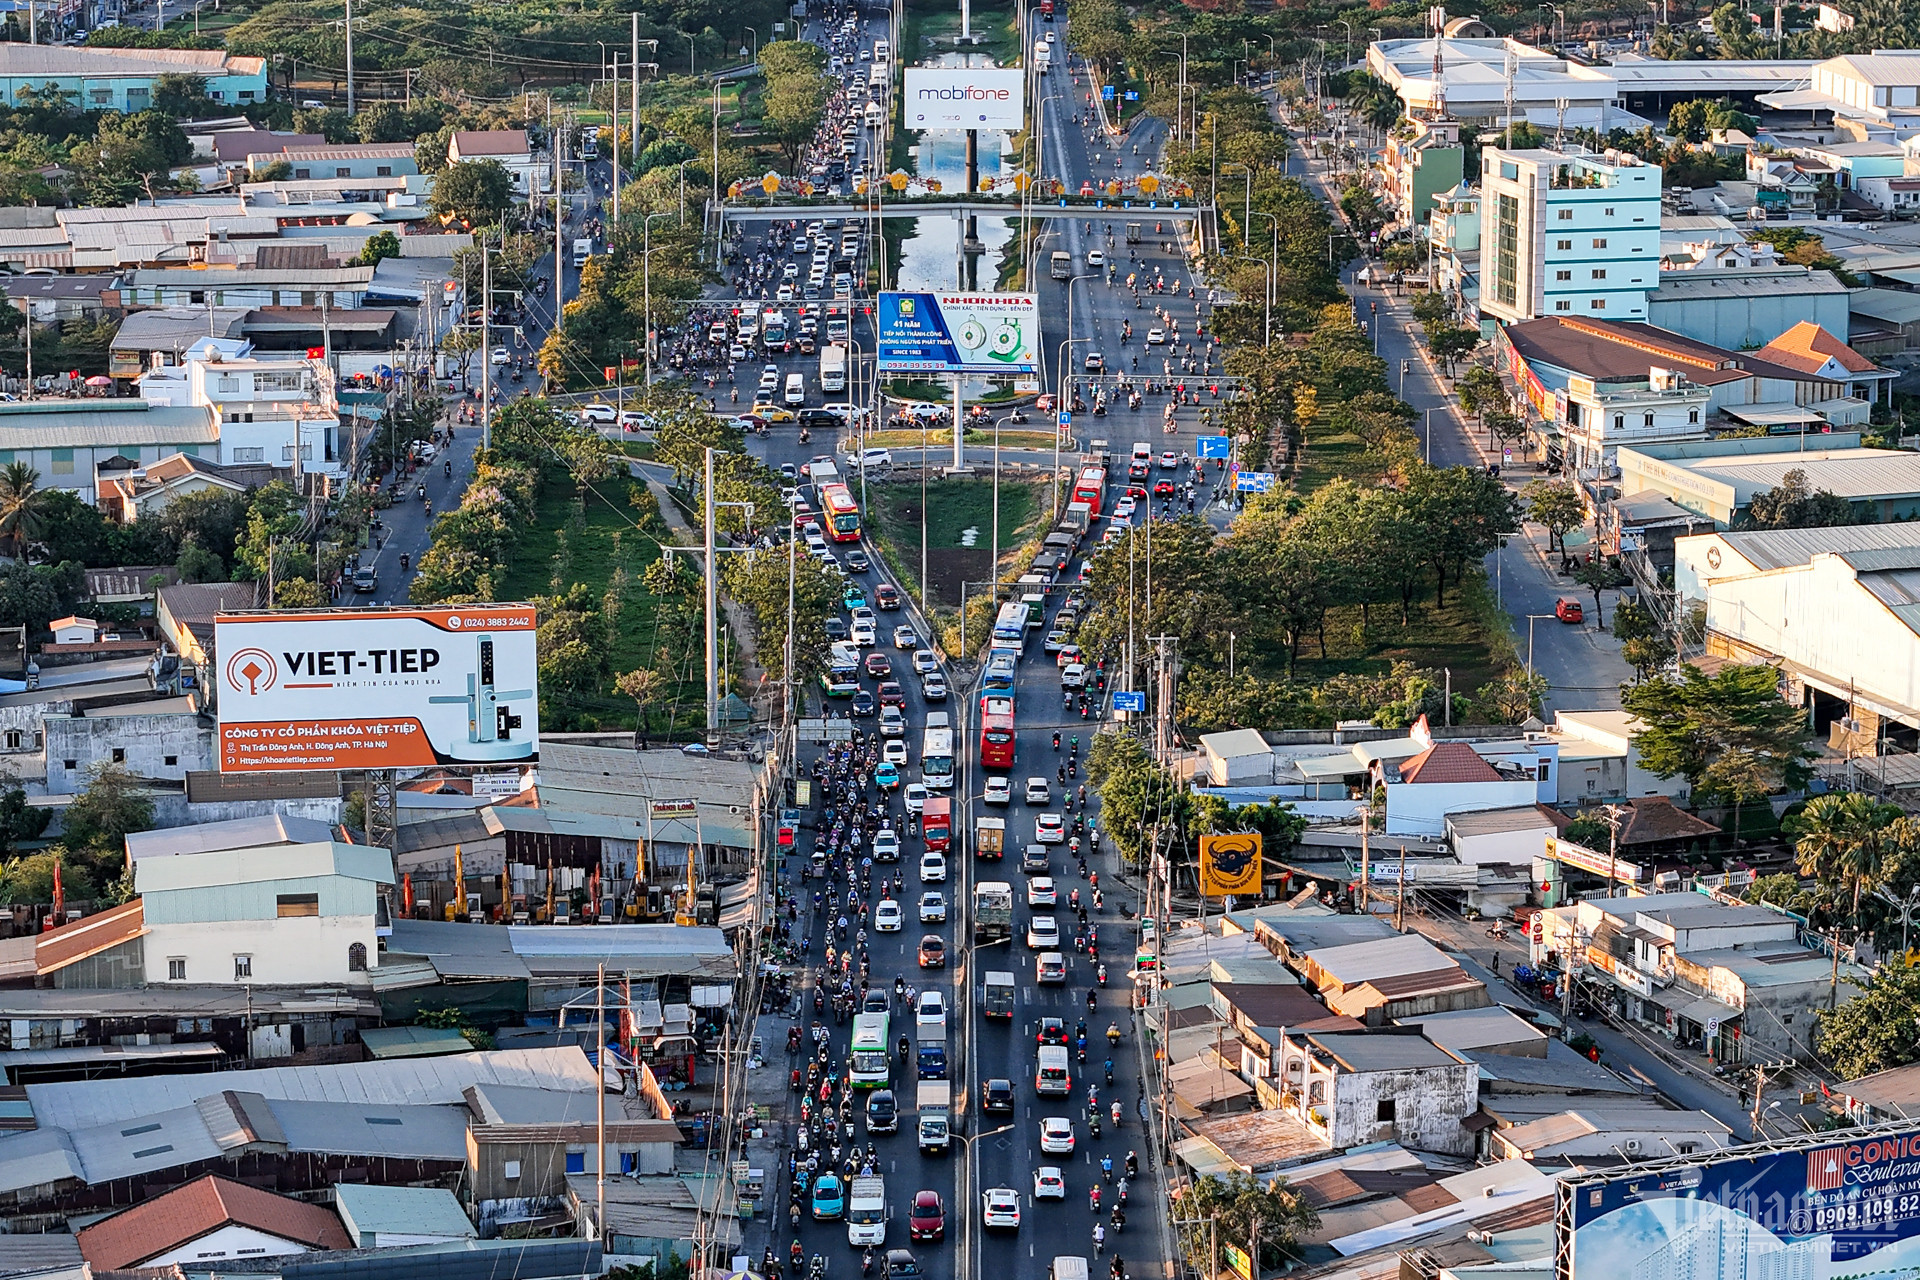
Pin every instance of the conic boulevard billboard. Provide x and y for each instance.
(965, 98)
(376, 688)
(1818, 1207)
(959, 333)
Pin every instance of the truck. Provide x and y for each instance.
(1060, 265)
(1036, 602)
(930, 1052)
(936, 823)
(935, 1098)
(773, 330)
(833, 368)
(582, 250)
(867, 1212)
(1046, 10)
(999, 994)
(992, 910)
(1042, 55)
(1078, 519)
(990, 838)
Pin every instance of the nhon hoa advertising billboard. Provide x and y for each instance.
(376, 688)
(1809, 1209)
(959, 333)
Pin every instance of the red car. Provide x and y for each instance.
(1163, 489)
(933, 952)
(1136, 492)
(891, 694)
(886, 596)
(879, 666)
(927, 1220)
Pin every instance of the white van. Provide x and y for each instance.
(1052, 1075)
(1067, 1268)
(881, 50)
(796, 392)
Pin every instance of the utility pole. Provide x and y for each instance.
(633, 113)
(600, 1100)
(709, 591)
(486, 337)
(613, 146)
(1400, 906)
(349, 57)
(1366, 829)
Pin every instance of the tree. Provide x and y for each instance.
(19, 821)
(1463, 513)
(1688, 120)
(379, 246)
(1690, 720)
(96, 824)
(1512, 698)
(180, 95)
(1601, 574)
(473, 192)
(1450, 342)
(643, 686)
(22, 506)
(1874, 1030)
(1557, 505)
(1841, 839)
(1795, 504)
(1242, 1211)
(1644, 643)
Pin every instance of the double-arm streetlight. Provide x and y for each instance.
(1060, 371)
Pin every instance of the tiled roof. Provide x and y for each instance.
(1624, 349)
(1808, 347)
(166, 1222)
(1655, 818)
(1448, 762)
(90, 935)
(490, 142)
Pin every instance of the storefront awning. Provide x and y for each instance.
(1773, 413)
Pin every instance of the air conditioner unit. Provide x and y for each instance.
(1631, 1146)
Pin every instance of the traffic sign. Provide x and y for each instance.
(1106, 91)
(1066, 419)
(1136, 702)
(1213, 446)
(1253, 481)
(811, 729)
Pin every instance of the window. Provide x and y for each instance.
(246, 95)
(243, 968)
(357, 958)
(1384, 1112)
(63, 462)
(1563, 305)
(383, 171)
(291, 905)
(230, 384)
(1566, 215)
(119, 755)
(301, 175)
(249, 455)
(101, 97)
(1693, 415)
(71, 764)
(1786, 1019)
(1649, 420)
(1599, 242)
(1619, 422)
(1563, 245)
(1599, 273)
(576, 1162)
(176, 968)
(511, 1169)
(1599, 304)
(1609, 213)
(13, 739)
(1563, 275)
(1546, 771)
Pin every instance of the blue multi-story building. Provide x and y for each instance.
(96, 79)
(1567, 234)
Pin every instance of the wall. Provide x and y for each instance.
(1507, 848)
(1420, 809)
(1643, 1143)
(1429, 1105)
(291, 951)
(152, 746)
(230, 1241)
(1739, 323)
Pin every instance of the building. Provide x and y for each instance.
(264, 403)
(125, 492)
(1453, 247)
(1451, 777)
(96, 78)
(67, 440)
(1493, 1030)
(205, 1222)
(1817, 353)
(159, 336)
(1423, 160)
(1580, 1136)
(1879, 91)
(1599, 760)
(1403, 976)
(1237, 757)
(524, 1142)
(1718, 478)
(394, 1217)
(1360, 1088)
(1567, 233)
(52, 299)
(1740, 308)
(507, 147)
(1510, 837)
(361, 160)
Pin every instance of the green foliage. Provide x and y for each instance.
(1556, 504)
(29, 879)
(1644, 643)
(1692, 722)
(794, 99)
(1795, 504)
(20, 822)
(1874, 1031)
(473, 193)
(1238, 1210)
(380, 246)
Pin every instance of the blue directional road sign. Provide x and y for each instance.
(1106, 91)
(1213, 446)
(1253, 481)
(1136, 702)
(1133, 95)
(1066, 419)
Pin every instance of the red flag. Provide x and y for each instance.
(406, 893)
(59, 895)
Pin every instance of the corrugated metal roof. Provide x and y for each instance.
(436, 1132)
(413, 1042)
(38, 1158)
(1856, 474)
(236, 833)
(87, 424)
(406, 1211)
(1779, 548)
(23, 1252)
(254, 865)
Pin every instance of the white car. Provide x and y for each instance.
(501, 356)
(1038, 791)
(895, 751)
(1041, 893)
(1000, 1208)
(1156, 336)
(933, 907)
(916, 796)
(893, 724)
(886, 845)
(1049, 829)
(934, 687)
(997, 791)
(599, 413)
(1056, 1136)
(905, 637)
(887, 917)
(861, 633)
(930, 1011)
(1073, 676)
(1043, 934)
(924, 662)
(1048, 1184)
(933, 868)
(1123, 508)
(1096, 258)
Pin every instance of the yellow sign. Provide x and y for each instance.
(1230, 863)
(1149, 184)
(771, 183)
(1020, 181)
(898, 179)
(859, 186)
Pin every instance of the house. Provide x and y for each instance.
(394, 1217)
(1500, 837)
(1399, 977)
(53, 299)
(1490, 1030)
(67, 440)
(360, 160)
(1565, 234)
(1599, 760)
(1717, 479)
(231, 147)
(507, 147)
(1237, 756)
(97, 78)
(1738, 308)
(1575, 1136)
(1448, 777)
(524, 1142)
(160, 336)
(1422, 160)
(1819, 354)
(125, 492)
(74, 630)
(1361, 1088)
(264, 403)
(205, 1221)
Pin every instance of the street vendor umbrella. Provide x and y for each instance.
(99, 380)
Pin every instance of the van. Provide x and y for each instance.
(881, 50)
(1052, 1076)
(1050, 969)
(796, 393)
(1067, 1268)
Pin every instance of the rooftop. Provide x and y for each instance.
(1623, 350)
(1655, 819)
(1383, 1052)
(1447, 762)
(236, 866)
(1743, 282)
(1808, 347)
(1467, 1029)
(468, 143)
(36, 60)
(1233, 743)
(1786, 548)
(370, 1212)
(235, 833)
(1849, 471)
(1489, 822)
(92, 424)
(1358, 962)
(167, 1221)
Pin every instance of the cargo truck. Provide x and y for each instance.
(867, 1212)
(1078, 518)
(936, 823)
(999, 994)
(833, 368)
(990, 838)
(992, 910)
(1042, 55)
(930, 1052)
(936, 1116)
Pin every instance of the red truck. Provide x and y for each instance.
(1046, 10)
(936, 823)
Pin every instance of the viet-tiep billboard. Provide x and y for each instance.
(376, 688)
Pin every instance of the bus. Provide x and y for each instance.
(1090, 488)
(1010, 627)
(869, 1068)
(842, 513)
(936, 759)
(996, 740)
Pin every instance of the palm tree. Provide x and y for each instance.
(1841, 839)
(23, 505)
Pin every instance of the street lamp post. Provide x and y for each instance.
(1346, 55)
(1531, 619)
(1060, 372)
(646, 294)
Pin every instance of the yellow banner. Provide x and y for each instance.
(1230, 863)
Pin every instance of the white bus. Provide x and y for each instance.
(1011, 624)
(582, 250)
(936, 759)
(869, 1067)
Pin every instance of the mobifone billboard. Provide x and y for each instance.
(376, 688)
(1812, 1208)
(959, 333)
(965, 98)
(1230, 864)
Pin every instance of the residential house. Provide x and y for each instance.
(184, 616)
(1578, 1137)
(53, 299)
(264, 404)
(67, 440)
(1600, 761)
(1448, 777)
(524, 1142)
(395, 1217)
(1565, 234)
(507, 147)
(1817, 353)
(161, 336)
(1237, 757)
(208, 1221)
(1494, 1030)
(124, 492)
(101, 78)
(1422, 160)
(354, 161)
(1361, 1088)
(1404, 976)
(1453, 249)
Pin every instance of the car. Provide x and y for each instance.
(997, 1096)
(924, 662)
(933, 951)
(500, 356)
(886, 775)
(997, 791)
(863, 614)
(933, 907)
(1123, 508)
(879, 666)
(1163, 489)
(886, 845)
(1039, 791)
(829, 1197)
(854, 597)
(1138, 468)
(737, 353)
(1056, 640)
(930, 1009)
(1073, 676)
(862, 634)
(1000, 1209)
(876, 1001)
(927, 1218)
(1048, 1184)
(768, 412)
(836, 628)
(870, 460)
(1034, 861)
(366, 579)
(934, 687)
(901, 1263)
(1096, 257)
(1094, 363)
(601, 413)
(635, 420)
(863, 703)
(1156, 336)
(1068, 655)
(1049, 829)
(933, 868)
(1052, 1031)
(1043, 933)
(893, 724)
(1567, 609)
(916, 797)
(858, 562)
(1041, 893)
(1056, 1136)
(886, 596)
(905, 637)
(887, 917)
(895, 749)
(891, 694)
(1169, 460)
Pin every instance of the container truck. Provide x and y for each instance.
(990, 838)
(930, 1052)
(935, 1099)
(999, 994)
(992, 910)
(833, 368)
(1078, 518)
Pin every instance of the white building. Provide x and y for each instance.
(1567, 234)
(263, 404)
(510, 149)
(1452, 777)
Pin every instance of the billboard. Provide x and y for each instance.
(1813, 1207)
(1230, 863)
(959, 333)
(965, 98)
(376, 688)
